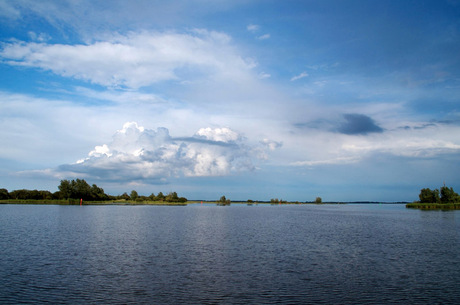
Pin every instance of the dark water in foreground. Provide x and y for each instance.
(328, 254)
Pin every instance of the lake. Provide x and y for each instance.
(260, 254)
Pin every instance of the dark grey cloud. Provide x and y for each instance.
(432, 124)
(350, 124)
(358, 124)
(423, 126)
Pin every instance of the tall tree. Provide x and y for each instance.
(224, 201)
(124, 196)
(133, 195)
(4, 194)
(172, 197)
(448, 195)
(65, 189)
(82, 189)
(97, 193)
(160, 196)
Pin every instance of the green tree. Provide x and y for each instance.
(45, 195)
(97, 193)
(448, 195)
(65, 189)
(172, 197)
(34, 194)
(133, 195)
(429, 196)
(57, 195)
(224, 201)
(4, 194)
(318, 200)
(20, 194)
(80, 189)
(160, 196)
(124, 196)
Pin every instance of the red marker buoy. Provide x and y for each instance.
(81, 201)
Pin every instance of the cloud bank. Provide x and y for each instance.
(363, 140)
(137, 153)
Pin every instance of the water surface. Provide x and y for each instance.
(291, 254)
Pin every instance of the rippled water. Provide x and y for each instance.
(322, 254)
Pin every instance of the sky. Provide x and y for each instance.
(345, 100)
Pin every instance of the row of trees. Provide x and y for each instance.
(276, 200)
(443, 195)
(75, 189)
(134, 196)
(27, 194)
(80, 189)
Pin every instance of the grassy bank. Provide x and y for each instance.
(434, 206)
(77, 202)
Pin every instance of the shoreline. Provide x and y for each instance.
(433, 206)
(164, 203)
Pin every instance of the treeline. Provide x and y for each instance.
(279, 201)
(74, 189)
(443, 195)
(27, 194)
(80, 189)
(171, 197)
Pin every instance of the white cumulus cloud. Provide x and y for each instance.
(218, 134)
(138, 153)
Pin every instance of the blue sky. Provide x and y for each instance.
(346, 100)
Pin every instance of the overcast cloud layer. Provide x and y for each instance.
(344, 100)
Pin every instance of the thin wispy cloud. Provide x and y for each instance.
(264, 75)
(297, 77)
(336, 161)
(41, 37)
(253, 28)
(264, 37)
